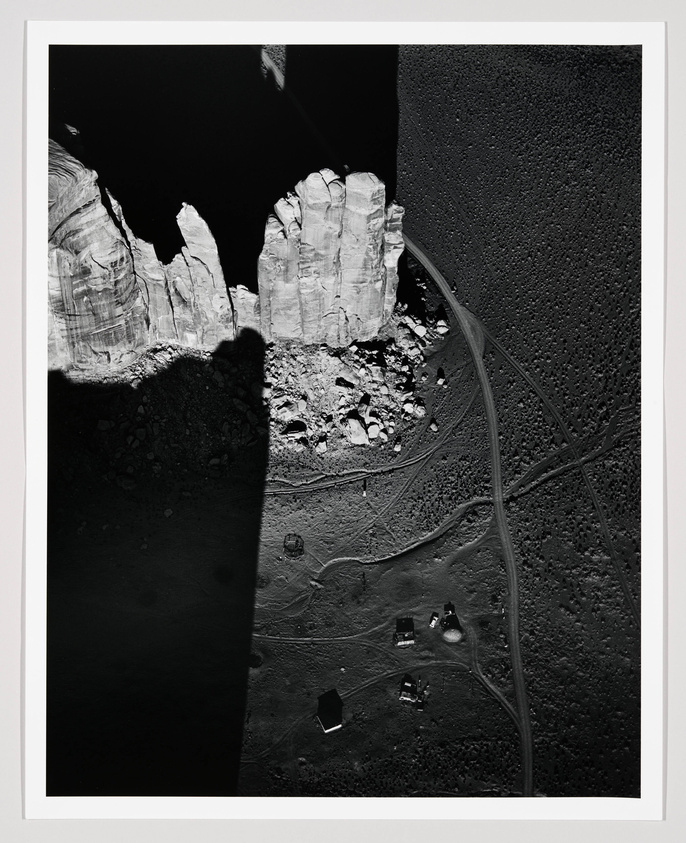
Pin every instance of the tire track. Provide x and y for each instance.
(466, 224)
(469, 329)
(410, 480)
(384, 677)
(536, 387)
(326, 481)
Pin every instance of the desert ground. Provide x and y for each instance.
(187, 647)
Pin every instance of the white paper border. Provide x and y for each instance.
(652, 38)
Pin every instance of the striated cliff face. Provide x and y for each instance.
(327, 272)
(110, 297)
(328, 269)
(188, 302)
(97, 312)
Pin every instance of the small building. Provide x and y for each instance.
(293, 545)
(408, 689)
(450, 624)
(330, 711)
(404, 632)
(411, 692)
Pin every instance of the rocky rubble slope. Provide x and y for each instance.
(323, 399)
(309, 399)
(328, 269)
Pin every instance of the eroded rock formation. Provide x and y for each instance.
(110, 296)
(327, 272)
(97, 311)
(188, 302)
(328, 269)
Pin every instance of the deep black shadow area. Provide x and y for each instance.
(203, 124)
(154, 506)
(348, 94)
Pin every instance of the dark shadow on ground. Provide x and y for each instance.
(154, 520)
(153, 516)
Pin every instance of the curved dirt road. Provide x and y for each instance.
(466, 324)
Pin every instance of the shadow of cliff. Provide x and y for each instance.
(154, 505)
(349, 93)
(203, 124)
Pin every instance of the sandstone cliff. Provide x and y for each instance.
(188, 302)
(97, 312)
(109, 296)
(328, 269)
(327, 272)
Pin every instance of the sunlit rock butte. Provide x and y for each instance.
(328, 269)
(110, 297)
(327, 272)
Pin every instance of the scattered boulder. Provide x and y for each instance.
(376, 383)
(355, 431)
(344, 385)
(295, 429)
(285, 410)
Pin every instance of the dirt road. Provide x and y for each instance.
(466, 323)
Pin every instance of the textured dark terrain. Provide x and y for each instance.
(519, 168)
(522, 173)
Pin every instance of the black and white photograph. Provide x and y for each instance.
(344, 420)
